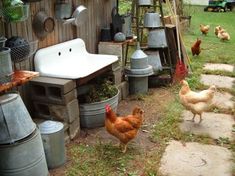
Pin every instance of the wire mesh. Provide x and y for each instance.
(23, 52)
(15, 13)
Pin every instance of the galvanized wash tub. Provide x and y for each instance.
(93, 114)
(15, 121)
(24, 158)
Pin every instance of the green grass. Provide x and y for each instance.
(105, 159)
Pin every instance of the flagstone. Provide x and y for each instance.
(221, 67)
(194, 159)
(213, 124)
(217, 80)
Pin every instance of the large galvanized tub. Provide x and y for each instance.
(24, 158)
(93, 114)
(157, 38)
(15, 121)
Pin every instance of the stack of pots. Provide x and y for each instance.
(6, 71)
(156, 36)
(21, 147)
(138, 72)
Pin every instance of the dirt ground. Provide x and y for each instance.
(153, 105)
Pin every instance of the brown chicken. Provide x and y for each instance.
(123, 128)
(216, 30)
(204, 29)
(196, 49)
(196, 102)
(223, 35)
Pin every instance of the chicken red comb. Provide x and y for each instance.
(107, 108)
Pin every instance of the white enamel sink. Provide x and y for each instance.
(70, 60)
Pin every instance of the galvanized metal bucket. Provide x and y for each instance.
(15, 121)
(145, 2)
(154, 59)
(24, 158)
(157, 38)
(6, 71)
(152, 20)
(53, 141)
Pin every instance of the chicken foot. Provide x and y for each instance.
(193, 119)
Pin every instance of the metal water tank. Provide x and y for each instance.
(53, 141)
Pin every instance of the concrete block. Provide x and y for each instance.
(74, 128)
(53, 90)
(52, 97)
(115, 76)
(124, 89)
(120, 94)
(67, 113)
(110, 48)
(64, 85)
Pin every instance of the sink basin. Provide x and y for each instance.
(70, 60)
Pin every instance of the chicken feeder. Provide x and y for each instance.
(15, 121)
(52, 133)
(138, 72)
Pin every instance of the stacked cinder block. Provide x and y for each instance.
(56, 99)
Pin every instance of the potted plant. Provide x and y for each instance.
(92, 111)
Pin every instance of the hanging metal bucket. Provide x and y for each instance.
(152, 20)
(15, 121)
(53, 141)
(6, 71)
(145, 2)
(157, 38)
(24, 158)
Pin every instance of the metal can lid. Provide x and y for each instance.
(8, 97)
(49, 127)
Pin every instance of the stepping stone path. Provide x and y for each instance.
(213, 124)
(220, 67)
(197, 159)
(218, 81)
(194, 159)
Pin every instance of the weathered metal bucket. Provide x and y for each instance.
(145, 2)
(157, 38)
(24, 158)
(152, 20)
(6, 71)
(92, 114)
(154, 59)
(53, 141)
(2, 41)
(15, 121)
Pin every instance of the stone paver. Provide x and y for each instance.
(213, 124)
(223, 101)
(222, 67)
(194, 159)
(217, 80)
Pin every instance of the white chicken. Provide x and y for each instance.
(196, 102)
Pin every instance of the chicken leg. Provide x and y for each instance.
(124, 149)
